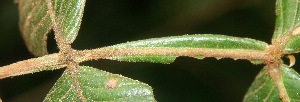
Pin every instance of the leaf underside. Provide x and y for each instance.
(207, 41)
(35, 22)
(97, 85)
(288, 20)
(263, 88)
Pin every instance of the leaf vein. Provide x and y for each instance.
(269, 94)
(295, 15)
(282, 17)
(256, 90)
(64, 96)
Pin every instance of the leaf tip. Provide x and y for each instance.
(292, 60)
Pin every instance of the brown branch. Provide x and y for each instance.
(55, 61)
(109, 53)
(48, 62)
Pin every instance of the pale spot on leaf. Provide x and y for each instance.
(111, 83)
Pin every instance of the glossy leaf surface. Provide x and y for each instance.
(97, 85)
(263, 88)
(209, 41)
(287, 21)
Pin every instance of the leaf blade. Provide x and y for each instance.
(287, 12)
(34, 24)
(66, 16)
(293, 45)
(98, 85)
(264, 89)
(152, 59)
(205, 41)
(287, 25)
(198, 41)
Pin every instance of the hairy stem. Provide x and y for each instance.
(109, 53)
(49, 62)
(73, 57)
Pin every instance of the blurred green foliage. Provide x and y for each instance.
(108, 22)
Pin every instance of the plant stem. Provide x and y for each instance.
(73, 57)
(48, 62)
(110, 53)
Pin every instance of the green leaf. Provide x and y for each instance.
(256, 61)
(97, 85)
(153, 59)
(35, 22)
(198, 41)
(263, 88)
(287, 12)
(67, 15)
(293, 46)
(287, 21)
(208, 41)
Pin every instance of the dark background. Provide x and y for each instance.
(108, 22)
